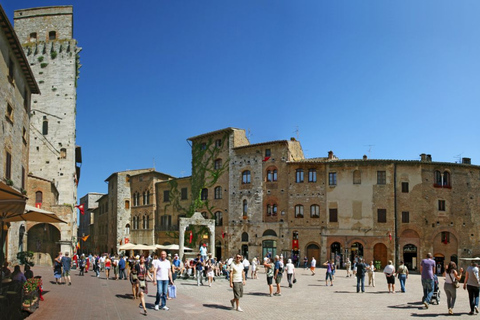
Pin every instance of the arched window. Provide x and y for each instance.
(38, 199)
(204, 214)
(127, 204)
(442, 179)
(63, 153)
(245, 208)
(269, 210)
(45, 126)
(446, 179)
(244, 237)
(298, 211)
(272, 175)
(218, 218)
(218, 192)
(314, 211)
(127, 229)
(204, 194)
(144, 195)
(246, 177)
(269, 233)
(217, 164)
(274, 210)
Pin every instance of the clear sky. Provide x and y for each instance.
(389, 79)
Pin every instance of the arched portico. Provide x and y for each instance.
(198, 220)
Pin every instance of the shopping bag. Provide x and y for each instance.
(172, 291)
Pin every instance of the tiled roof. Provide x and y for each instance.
(229, 129)
(262, 144)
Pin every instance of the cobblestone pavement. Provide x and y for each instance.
(97, 298)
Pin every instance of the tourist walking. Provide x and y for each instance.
(371, 274)
(402, 273)
(389, 272)
(472, 284)
(329, 273)
(278, 274)
(142, 275)
(313, 264)
(290, 267)
(427, 269)
(134, 277)
(254, 268)
(237, 281)
(305, 263)
(452, 278)
(57, 268)
(66, 262)
(246, 266)
(361, 270)
(269, 272)
(348, 267)
(121, 268)
(108, 266)
(81, 265)
(162, 276)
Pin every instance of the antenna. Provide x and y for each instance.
(369, 148)
(249, 135)
(297, 133)
(154, 163)
(458, 157)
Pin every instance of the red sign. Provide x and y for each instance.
(295, 244)
(38, 205)
(127, 240)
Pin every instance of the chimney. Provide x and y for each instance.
(330, 155)
(423, 157)
(429, 157)
(364, 157)
(466, 161)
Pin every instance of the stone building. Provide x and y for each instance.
(46, 35)
(17, 84)
(86, 221)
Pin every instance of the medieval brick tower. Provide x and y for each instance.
(46, 35)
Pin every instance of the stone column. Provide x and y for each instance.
(212, 239)
(181, 240)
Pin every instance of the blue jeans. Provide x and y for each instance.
(402, 278)
(361, 279)
(162, 287)
(427, 285)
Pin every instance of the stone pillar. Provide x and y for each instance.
(212, 239)
(181, 240)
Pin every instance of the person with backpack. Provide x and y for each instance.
(278, 273)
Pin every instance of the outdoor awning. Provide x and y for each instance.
(36, 215)
(172, 247)
(11, 201)
(132, 246)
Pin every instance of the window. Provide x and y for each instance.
(204, 194)
(11, 71)
(272, 175)
(45, 126)
(405, 217)
(184, 195)
(357, 177)
(244, 237)
(203, 146)
(314, 211)
(144, 195)
(136, 199)
(332, 178)
(405, 187)
(381, 177)
(268, 153)
(382, 215)
(218, 143)
(63, 153)
(33, 37)
(445, 237)
(312, 175)
(298, 211)
(333, 215)
(9, 114)
(272, 210)
(8, 166)
(246, 178)
(52, 35)
(127, 204)
(245, 208)
(269, 210)
(218, 192)
(204, 215)
(38, 199)
(165, 221)
(442, 179)
(144, 222)
(127, 229)
(441, 205)
(299, 176)
(217, 164)
(23, 177)
(26, 100)
(218, 218)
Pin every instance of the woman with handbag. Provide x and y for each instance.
(142, 274)
(451, 284)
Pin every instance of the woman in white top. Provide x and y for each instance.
(290, 272)
(450, 289)
(254, 268)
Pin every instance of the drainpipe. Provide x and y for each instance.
(396, 251)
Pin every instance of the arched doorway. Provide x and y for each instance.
(380, 255)
(356, 251)
(313, 250)
(43, 238)
(439, 263)
(269, 248)
(410, 256)
(218, 250)
(445, 245)
(245, 250)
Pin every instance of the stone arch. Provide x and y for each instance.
(196, 219)
(269, 233)
(43, 239)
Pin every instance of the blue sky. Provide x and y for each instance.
(390, 79)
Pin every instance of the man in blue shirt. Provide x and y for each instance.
(175, 267)
(121, 268)
(198, 262)
(66, 263)
(278, 274)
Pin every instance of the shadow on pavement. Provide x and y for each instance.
(434, 315)
(409, 305)
(217, 306)
(257, 294)
(125, 296)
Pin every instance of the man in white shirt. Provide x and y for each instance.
(162, 276)
(237, 281)
(246, 266)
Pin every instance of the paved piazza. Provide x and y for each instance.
(97, 298)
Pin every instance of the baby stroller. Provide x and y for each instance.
(436, 290)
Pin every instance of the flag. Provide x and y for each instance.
(390, 236)
(78, 245)
(191, 236)
(81, 207)
(223, 234)
(85, 238)
(265, 159)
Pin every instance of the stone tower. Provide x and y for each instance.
(46, 35)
